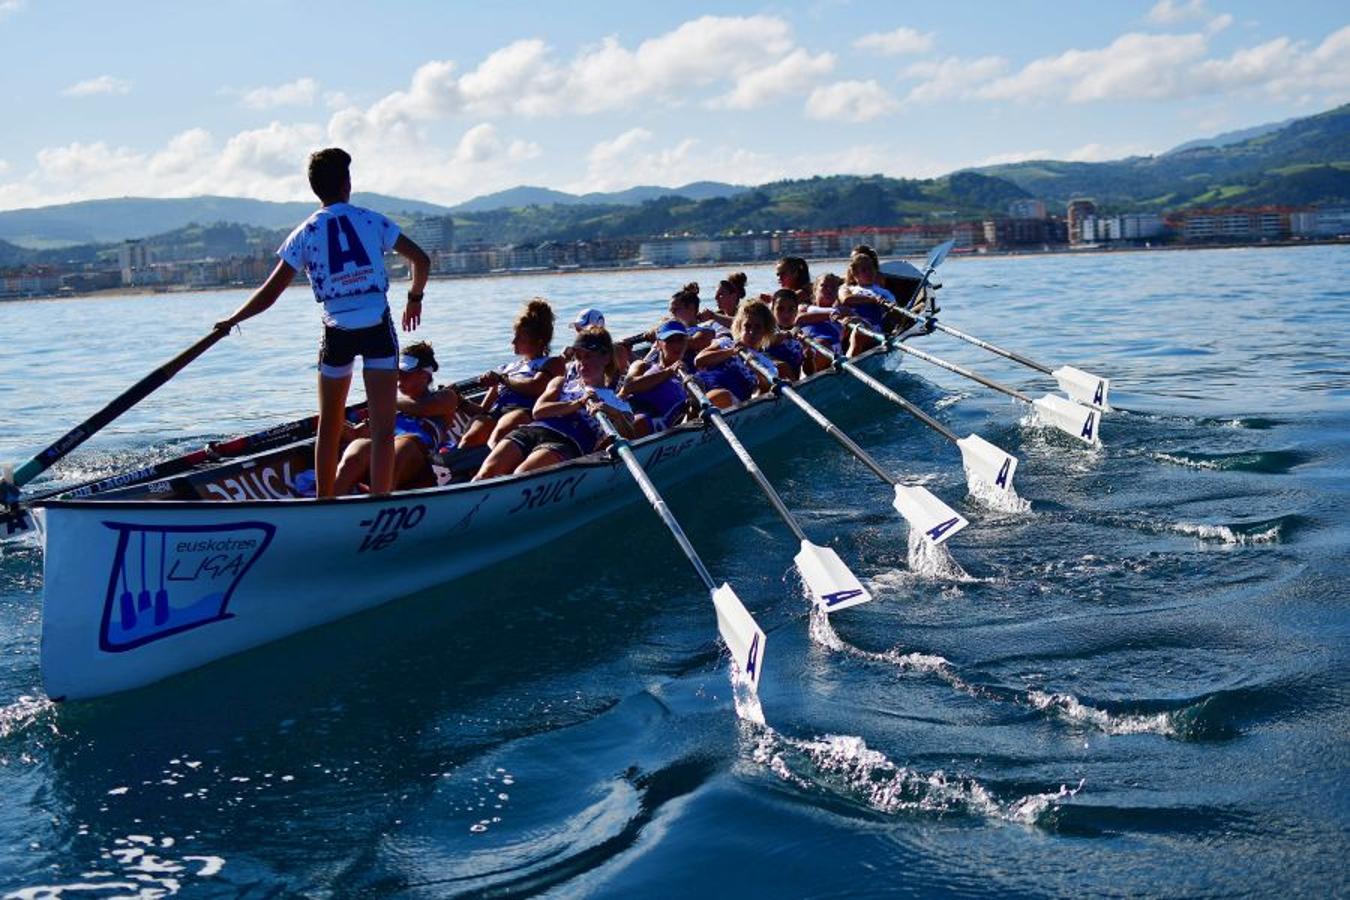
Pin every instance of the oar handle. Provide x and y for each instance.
(783, 389)
(848, 366)
(653, 496)
(949, 366)
(127, 399)
(714, 415)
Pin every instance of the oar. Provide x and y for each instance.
(9, 485)
(923, 511)
(1071, 418)
(983, 461)
(743, 637)
(830, 582)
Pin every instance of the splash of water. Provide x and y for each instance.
(845, 765)
(995, 498)
(1071, 708)
(930, 560)
(1224, 534)
(21, 713)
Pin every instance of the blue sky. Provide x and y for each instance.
(443, 101)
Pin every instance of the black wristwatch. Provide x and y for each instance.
(414, 297)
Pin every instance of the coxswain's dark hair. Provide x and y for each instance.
(787, 295)
(796, 270)
(685, 296)
(536, 321)
(329, 171)
(735, 282)
(422, 352)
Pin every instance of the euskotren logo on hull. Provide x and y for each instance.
(167, 579)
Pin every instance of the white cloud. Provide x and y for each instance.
(8, 7)
(1219, 23)
(103, 84)
(1134, 66)
(1101, 152)
(850, 101)
(899, 42)
(792, 74)
(1014, 156)
(953, 77)
(1177, 12)
(300, 92)
(4, 166)
(483, 144)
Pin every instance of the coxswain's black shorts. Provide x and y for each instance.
(377, 346)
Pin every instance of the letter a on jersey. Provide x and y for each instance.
(339, 259)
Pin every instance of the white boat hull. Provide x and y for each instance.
(137, 591)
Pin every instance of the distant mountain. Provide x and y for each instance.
(1230, 137)
(1231, 174)
(130, 218)
(523, 196)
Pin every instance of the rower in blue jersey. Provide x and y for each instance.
(783, 347)
(816, 321)
(725, 376)
(514, 387)
(653, 384)
(565, 425)
(863, 298)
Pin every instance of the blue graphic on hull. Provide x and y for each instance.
(166, 579)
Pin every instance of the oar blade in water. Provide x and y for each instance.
(926, 514)
(831, 585)
(1086, 388)
(987, 463)
(742, 635)
(1069, 417)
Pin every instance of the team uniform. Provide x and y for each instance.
(508, 398)
(575, 434)
(831, 334)
(663, 404)
(872, 310)
(733, 374)
(341, 248)
(790, 351)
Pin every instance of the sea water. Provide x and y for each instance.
(1134, 686)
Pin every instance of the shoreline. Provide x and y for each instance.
(149, 290)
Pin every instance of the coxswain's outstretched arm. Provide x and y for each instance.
(262, 298)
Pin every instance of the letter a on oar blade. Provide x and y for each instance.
(986, 462)
(1086, 388)
(1069, 417)
(743, 637)
(926, 514)
(831, 585)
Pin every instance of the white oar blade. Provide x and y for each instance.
(1084, 387)
(743, 637)
(831, 585)
(1069, 417)
(987, 463)
(926, 514)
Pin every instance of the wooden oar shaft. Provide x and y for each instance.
(883, 390)
(127, 399)
(949, 366)
(653, 496)
(714, 415)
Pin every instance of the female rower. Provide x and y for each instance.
(730, 293)
(565, 425)
(654, 385)
(816, 322)
(794, 275)
(684, 305)
(784, 348)
(725, 376)
(514, 387)
(421, 424)
(863, 299)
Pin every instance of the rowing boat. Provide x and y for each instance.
(140, 584)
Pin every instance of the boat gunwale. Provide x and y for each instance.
(597, 459)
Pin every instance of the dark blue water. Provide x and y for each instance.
(1138, 687)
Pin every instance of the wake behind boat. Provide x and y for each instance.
(166, 569)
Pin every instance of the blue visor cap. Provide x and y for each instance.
(670, 329)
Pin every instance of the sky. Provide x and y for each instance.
(445, 101)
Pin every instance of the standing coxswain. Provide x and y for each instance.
(341, 247)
